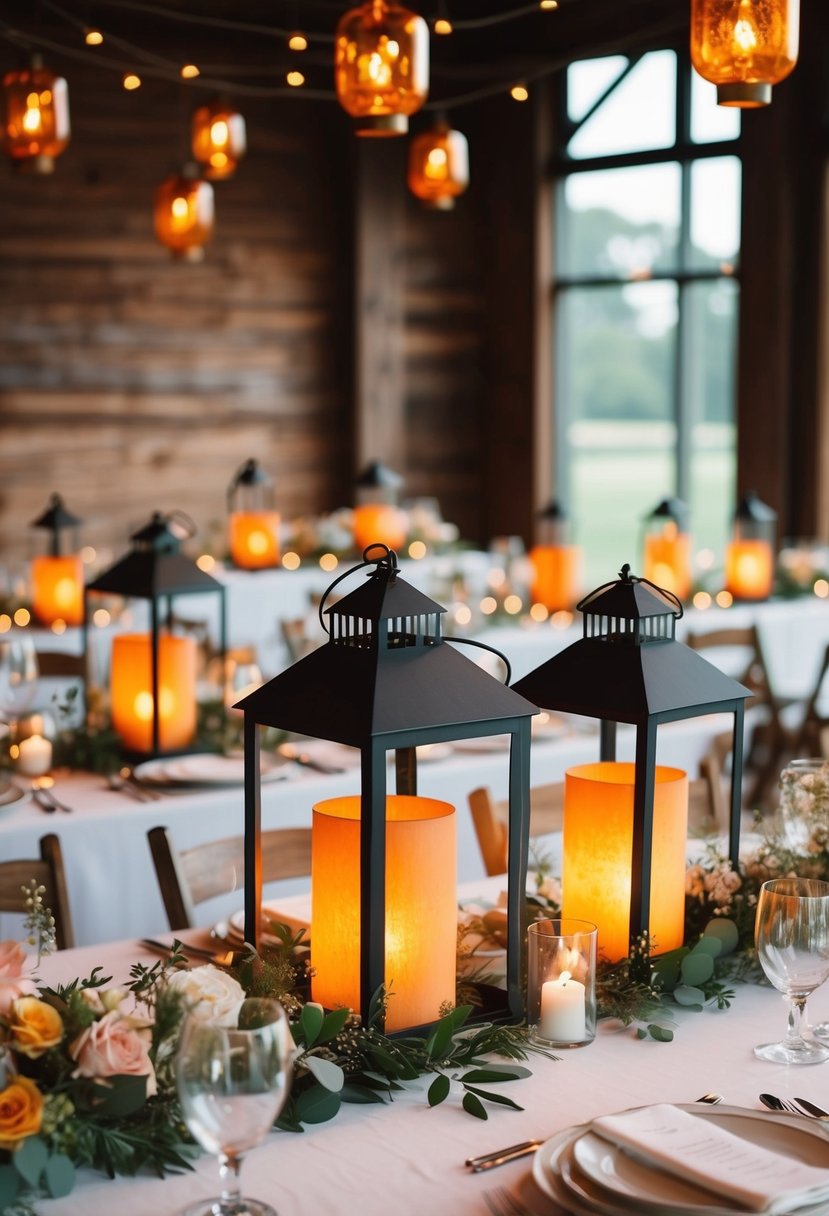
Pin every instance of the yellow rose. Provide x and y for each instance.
(34, 1026)
(21, 1111)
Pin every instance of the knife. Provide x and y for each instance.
(817, 1112)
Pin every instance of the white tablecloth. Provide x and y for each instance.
(112, 885)
(407, 1159)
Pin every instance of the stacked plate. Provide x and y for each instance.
(9, 792)
(208, 769)
(588, 1175)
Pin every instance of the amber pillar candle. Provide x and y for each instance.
(421, 906)
(254, 539)
(597, 859)
(131, 691)
(749, 569)
(667, 560)
(379, 523)
(57, 589)
(557, 576)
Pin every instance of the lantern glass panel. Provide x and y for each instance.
(219, 139)
(184, 215)
(381, 62)
(36, 120)
(744, 42)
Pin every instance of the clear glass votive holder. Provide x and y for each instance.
(561, 982)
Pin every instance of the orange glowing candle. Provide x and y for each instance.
(557, 575)
(421, 908)
(131, 689)
(667, 560)
(598, 853)
(57, 589)
(254, 539)
(379, 523)
(749, 569)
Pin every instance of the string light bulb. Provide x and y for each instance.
(443, 26)
(189, 71)
(519, 92)
(381, 67)
(36, 122)
(295, 79)
(93, 37)
(744, 47)
(439, 166)
(297, 41)
(131, 81)
(184, 214)
(548, 4)
(218, 138)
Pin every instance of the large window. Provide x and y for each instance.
(647, 207)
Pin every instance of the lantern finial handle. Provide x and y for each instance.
(386, 560)
(624, 573)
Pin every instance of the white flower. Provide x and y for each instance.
(211, 994)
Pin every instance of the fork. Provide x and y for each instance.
(45, 799)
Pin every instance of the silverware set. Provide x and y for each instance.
(125, 782)
(46, 799)
(795, 1106)
(219, 958)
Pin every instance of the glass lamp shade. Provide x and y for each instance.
(749, 555)
(381, 67)
(667, 548)
(131, 691)
(57, 589)
(184, 215)
(439, 166)
(421, 914)
(36, 116)
(218, 138)
(598, 846)
(744, 47)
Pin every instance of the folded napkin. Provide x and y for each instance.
(702, 1152)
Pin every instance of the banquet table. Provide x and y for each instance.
(408, 1159)
(112, 886)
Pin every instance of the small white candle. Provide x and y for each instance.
(562, 1010)
(35, 756)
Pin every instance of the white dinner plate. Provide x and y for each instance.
(609, 1182)
(10, 794)
(205, 768)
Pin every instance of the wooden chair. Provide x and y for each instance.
(60, 664)
(47, 871)
(707, 808)
(772, 741)
(189, 877)
(813, 736)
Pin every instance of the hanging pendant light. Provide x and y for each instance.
(439, 166)
(218, 138)
(744, 47)
(36, 116)
(381, 67)
(184, 214)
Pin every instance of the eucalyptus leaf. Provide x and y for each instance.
(697, 969)
(497, 1072)
(501, 1099)
(709, 945)
(333, 1024)
(665, 973)
(724, 928)
(661, 1033)
(439, 1089)
(311, 1022)
(686, 994)
(329, 1074)
(30, 1158)
(317, 1105)
(9, 1186)
(59, 1176)
(354, 1093)
(438, 1042)
(474, 1106)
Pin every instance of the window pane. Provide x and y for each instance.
(710, 122)
(616, 373)
(620, 223)
(638, 114)
(588, 79)
(711, 317)
(715, 212)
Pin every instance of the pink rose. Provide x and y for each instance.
(13, 983)
(112, 1047)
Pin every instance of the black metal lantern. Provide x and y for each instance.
(750, 554)
(57, 574)
(666, 547)
(387, 681)
(153, 676)
(629, 667)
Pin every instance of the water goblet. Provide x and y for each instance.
(18, 676)
(792, 937)
(232, 1083)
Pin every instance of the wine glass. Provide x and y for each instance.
(792, 937)
(18, 676)
(232, 1083)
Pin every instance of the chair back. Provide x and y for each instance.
(217, 867)
(490, 819)
(47, 871)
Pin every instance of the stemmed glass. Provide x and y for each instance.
(792, 937)
(232, 1083)
(18, 676)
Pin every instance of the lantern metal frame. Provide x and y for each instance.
(55, 520)
(157, 571)
(629, 667)
(386, 680)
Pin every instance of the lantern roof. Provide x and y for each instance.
(671, 508)
(56, 516)
(379, 475)
(554, 511)
(631, 668)
(385, 669)
(250, 473)
(155, 566)
(751, 507)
